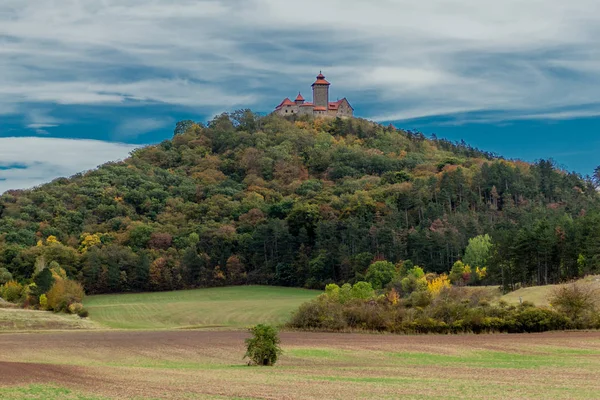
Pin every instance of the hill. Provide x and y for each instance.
(231, 307)
(267, 200)
(540, 295)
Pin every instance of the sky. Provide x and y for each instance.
(83, 82)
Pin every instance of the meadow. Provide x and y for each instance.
(227, 307)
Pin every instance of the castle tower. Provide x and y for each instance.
(321, 92)
(299, 100)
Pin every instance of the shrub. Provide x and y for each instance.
(5, 276)
(362, 290)
(43, 302)
(577, 301)
(263, 348)
(533, 319)
(11, 291)
(79, 309)
(74, 308)
(63, 293)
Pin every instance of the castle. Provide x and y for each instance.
(321, 106)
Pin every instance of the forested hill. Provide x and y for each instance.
(250, 199)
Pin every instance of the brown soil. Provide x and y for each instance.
(119, 363)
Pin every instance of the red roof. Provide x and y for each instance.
(321, 80)
(285, 102)
(335, 105)
(320, 109)
(299, 98)
(307, 105)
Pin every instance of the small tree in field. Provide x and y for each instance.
(263, 347)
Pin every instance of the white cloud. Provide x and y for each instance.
(138, 126)
(26, 162)
(390, 57)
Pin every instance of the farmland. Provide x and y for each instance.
(189, 345)
(208, 364)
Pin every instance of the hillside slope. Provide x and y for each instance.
(265, 200)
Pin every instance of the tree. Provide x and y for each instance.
(380, 273)
(478, 251)
(183, 126)
(43, 281)
(596, 176)
(5, 276)
(362, 291)
(263, 348)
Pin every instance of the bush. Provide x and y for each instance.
(11, 291)
(362, 290)
(79, 309)
(5, 276)
(63, 293)
(263, 347)
(43, 302)
(577, 301)
(533, 319)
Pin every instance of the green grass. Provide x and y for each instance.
(230, 307)
(540, 295)
(42, 392)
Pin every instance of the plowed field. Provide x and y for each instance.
(208, 364)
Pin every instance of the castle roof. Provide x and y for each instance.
(299, 98)
(336, 104)
(285, 102)
(320, 109)
(321, 80)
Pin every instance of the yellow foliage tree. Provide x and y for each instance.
(88, 240)
(393, 297)
(436, 285)
(481, 272)
(52, 240)
(63, 293)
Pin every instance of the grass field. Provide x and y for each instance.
(539, 295)
(229, 307)
(209, 365)
(16, 319)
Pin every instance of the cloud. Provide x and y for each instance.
(26, 162)
(392, 58)
(138, 126)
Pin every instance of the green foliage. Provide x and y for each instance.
(263, 347)
(362, 291)
(454, 310)
(301, 203)
(478, 251)
(580, 301)
(43, 281)
(380, 273)
(5, 276)
(414, 281)
(456, 273)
